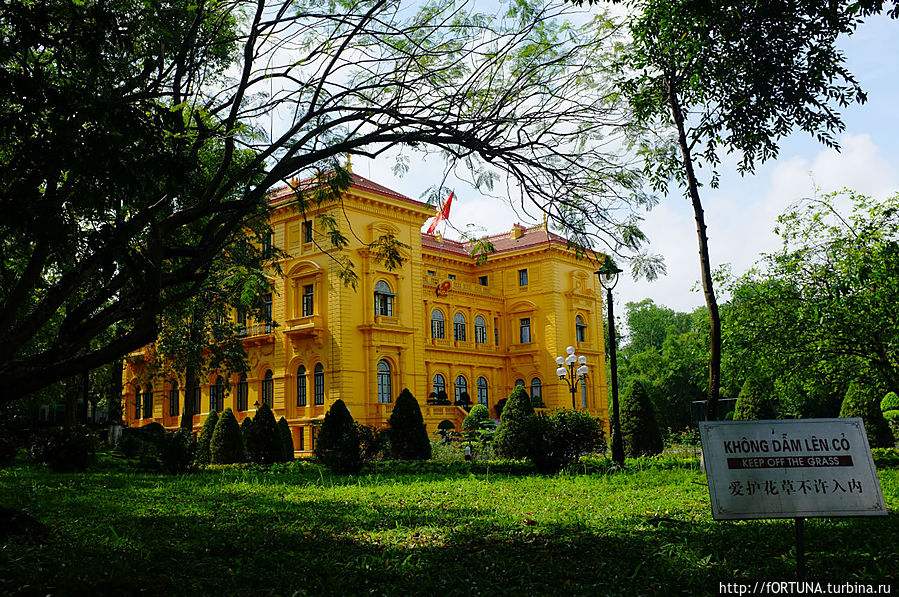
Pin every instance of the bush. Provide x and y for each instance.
(537, 402)
(515, 437)
(563, 437)
(176, 451)
(498, 407)
(862, 400)
(408, 434)
(338, 441)
(374, 442)
(753, 404)
(203, 456)
(640, 433)
(286, 440)
(263, 439)
(245, 426)
(464, 400)
(478, 413)
(442, 398)
(226, 445)
(889, 403)
(64, 450)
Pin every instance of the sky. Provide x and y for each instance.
(741, 214)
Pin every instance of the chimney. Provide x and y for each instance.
(517, 231)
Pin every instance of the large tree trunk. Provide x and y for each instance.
(187, 409)
(705, 264)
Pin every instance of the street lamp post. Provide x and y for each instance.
(571, 375)
(608, 278)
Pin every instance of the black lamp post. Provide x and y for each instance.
(571, 375)
(608, 278)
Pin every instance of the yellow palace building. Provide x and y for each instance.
(440, 321)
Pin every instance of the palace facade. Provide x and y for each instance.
(439, 322)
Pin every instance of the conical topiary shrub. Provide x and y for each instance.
(245, 431)
(863, 400)
(226, 446)
(338, 441)
(286, 440)
(408, 435)
(889, 406)
(263, 440)
(203, 456)
(515, 438)
(753, 404)
(639, 429)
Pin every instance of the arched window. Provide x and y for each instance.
(173, 399)
(243, 392)
(268, 389)
(580, 329)
(318, 383)
(383, 299)
(217, 395)
(519, 382)
(439, 384)
(384, 391)
(536, 388)
(437, 324)
(137, 402)
(482, 391)
(461, 386)
(148, 402)
(480, 330)
(301, 386)
(459, 327)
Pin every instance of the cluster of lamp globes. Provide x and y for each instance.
(570, 360)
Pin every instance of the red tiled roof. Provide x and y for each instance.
(503, 243)
(357, 182)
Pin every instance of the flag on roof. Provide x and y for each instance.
(443, 214)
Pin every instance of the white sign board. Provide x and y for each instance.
(797, 468)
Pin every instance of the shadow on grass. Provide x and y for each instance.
(235, 535)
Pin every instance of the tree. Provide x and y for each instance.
(515, 438)
(286, 440)
(753, 403)
(478, 414)
(862, 401)
(408, 435)
(732, 79)
(823, 308)
(639, 429)
(263, 439)
(338, 444)
(226, 446)
(563, 437)
(203, 455)
(177, 101)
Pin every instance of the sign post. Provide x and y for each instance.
(795, 468)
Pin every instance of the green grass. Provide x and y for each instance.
(301, 531)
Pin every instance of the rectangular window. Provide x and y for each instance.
(319, 385)
(480, 334)
(302, 437)
(581, 332)
(241, 322)
(137, 404)
(267, 312)
(432, 272)
(495, 332)
(267, 246)
(314, 437)
(459, 332)
(452, 276)
(243, 393)
(522, 277)
(525, 330)
(308, 297)
(173, 402)
(437, 328)
(307, 231)
(197, 405)
(482, 280)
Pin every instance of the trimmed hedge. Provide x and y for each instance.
(203, 456)
(408, 435)
(338, 441)
(639, 429)
(286, 440)
(515, 437)
(263, 439)
(753, 404)
(226, 446)
(478, 413)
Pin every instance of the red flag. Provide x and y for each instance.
(444, 213)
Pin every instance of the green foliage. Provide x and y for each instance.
(374, 442)
(563, 437)
(263, 439)
(64, 450)
(245, 432)
(338, 446)
(862, 400)
(478, 413)
(408, 435)
(889, 402)
(286, 440)
(177, 451)
(515, 438)
(203, 455)
(640, 433)
(226, 445)
(753, 403)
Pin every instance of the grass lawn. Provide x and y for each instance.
(301, 531)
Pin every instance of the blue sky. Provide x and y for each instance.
(742, 212)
